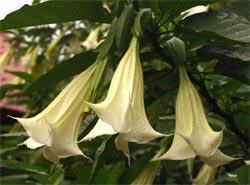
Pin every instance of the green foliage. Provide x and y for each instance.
(213, 45)
(55, 12)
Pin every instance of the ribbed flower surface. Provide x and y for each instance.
(123, 109)
(193, 135)
(57, 125)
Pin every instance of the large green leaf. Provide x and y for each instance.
(226, 53)
(222, 24)
(234, 61)
(240, 8)
(236, 70)
(63, 70)
(55, 12)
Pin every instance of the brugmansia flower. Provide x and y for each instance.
(148, 174)
(205, 175)
(5, 58)
(92, 40)
(123, 109)
(56, 127)
(193, 134)
(53, 44)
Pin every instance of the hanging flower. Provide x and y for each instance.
(205, 175)
(5, 58)
(123, 109)
(147, 176)
(92, 40)
(193, 134)
(56, 127)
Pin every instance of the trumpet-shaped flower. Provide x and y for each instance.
(123, 109)
(5, 58)
(193, 134)
(205, 175)
(147, 176)
(92, 40)
(56, 127)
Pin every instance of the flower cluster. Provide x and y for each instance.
(123, 113)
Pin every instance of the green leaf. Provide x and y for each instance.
(101, 155)
(174, 7)
(27, 77)
(55, 12)
(23, 166)
(236, 70)
(134, 170)
(107, 44)
(225, 53)
(243, 175)
(116, 172)
(240, 8)
(5, 88)
(63, 70)
(222, 24)
(57, 177)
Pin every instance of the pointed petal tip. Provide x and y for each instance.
(218, 159)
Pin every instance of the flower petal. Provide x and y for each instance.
(101, 128)
(122, 144)
(48, 154)
(205, 175)
(191, 122)
(39, 131)
(179, 150)
(31, 143)
(217, 159)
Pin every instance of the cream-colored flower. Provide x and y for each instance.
(57, 126)
(205, 175)
(147, 176)
(51, 47)
(92, 40)
(123, 109)
(193, 134)
(5, 58)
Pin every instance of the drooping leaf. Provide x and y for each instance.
(222, 24)
(55, 12)
(5, 88)
(27, 77)
(63, 70)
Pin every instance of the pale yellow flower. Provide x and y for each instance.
(92, 40)
(193, 134)
(123, 109)
(205, 175)
(5, 58)
(57, 126)
(147, 176)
